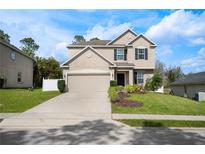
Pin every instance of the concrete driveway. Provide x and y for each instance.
(72, 103)
(65, 109)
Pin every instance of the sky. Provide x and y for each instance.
(179, 34)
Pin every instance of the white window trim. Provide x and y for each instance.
(141, 53)
(121, 54)
(140, 73)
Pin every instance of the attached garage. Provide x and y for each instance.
(87, 72)
(83, 81)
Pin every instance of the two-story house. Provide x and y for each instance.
(16, 68)
(129, 59)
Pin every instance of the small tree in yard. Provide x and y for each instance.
(61, 85)
(154, 83)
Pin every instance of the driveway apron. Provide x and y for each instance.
(67, 108)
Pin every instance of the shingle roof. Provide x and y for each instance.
(94, 42)
(14, 48)
(197, 78)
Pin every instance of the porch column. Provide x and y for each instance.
(112, 74)
(130, 76)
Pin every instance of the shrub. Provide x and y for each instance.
(130, 88)
(61, 85)
(115, 93)
(154, 83)
(148, 84)
(113, 83)
(119, 88)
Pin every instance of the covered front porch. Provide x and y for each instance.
(123, 76)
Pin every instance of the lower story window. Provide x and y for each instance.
(139, 78)
(19, 78)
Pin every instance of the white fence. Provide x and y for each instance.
(50, 84)
(160, 90)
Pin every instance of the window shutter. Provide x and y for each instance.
(146, 54)
(125, 57)
(136, 54)
(115, 54)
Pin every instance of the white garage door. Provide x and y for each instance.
(86, 83)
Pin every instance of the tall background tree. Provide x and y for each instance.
(43, 68)
(47, 68)
(4, 36)
(173, 74)
(29, 46)
(78, 39)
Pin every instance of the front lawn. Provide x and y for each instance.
(154, 103)
(162, 123)
(19, 100)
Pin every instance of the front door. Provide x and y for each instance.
(121, 79)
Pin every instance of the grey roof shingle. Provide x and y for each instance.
(94, 42)
(197, 78)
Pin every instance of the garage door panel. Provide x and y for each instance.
(88, 83)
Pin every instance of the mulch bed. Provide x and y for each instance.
(129, 103)
(122, 101)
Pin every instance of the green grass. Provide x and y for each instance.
(154, 103)
(162, 123)
(19, 100)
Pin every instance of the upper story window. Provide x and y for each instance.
(13, 55)
(120, 54)
(141, 53)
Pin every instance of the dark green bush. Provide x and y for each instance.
(61, 85)
(154, 83)
(113, 83)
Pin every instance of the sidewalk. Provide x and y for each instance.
(7, 115)
(158, 117)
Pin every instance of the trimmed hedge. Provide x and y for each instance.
(113, 83)
(61, 85)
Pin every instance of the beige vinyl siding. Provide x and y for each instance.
(89, 60)
(141, 63)
(192, 89)
(10, 68)
(125, 39)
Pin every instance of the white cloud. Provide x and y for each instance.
(106, 31)
(177, 25)
(164, 50)
(198, 41)
(197, 62)
(38, 26)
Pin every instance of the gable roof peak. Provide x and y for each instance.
(128, 30)
(142, 35)
(83, 50)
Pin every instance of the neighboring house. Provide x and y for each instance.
(15, 66)
(129, 59)
(190, 86)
